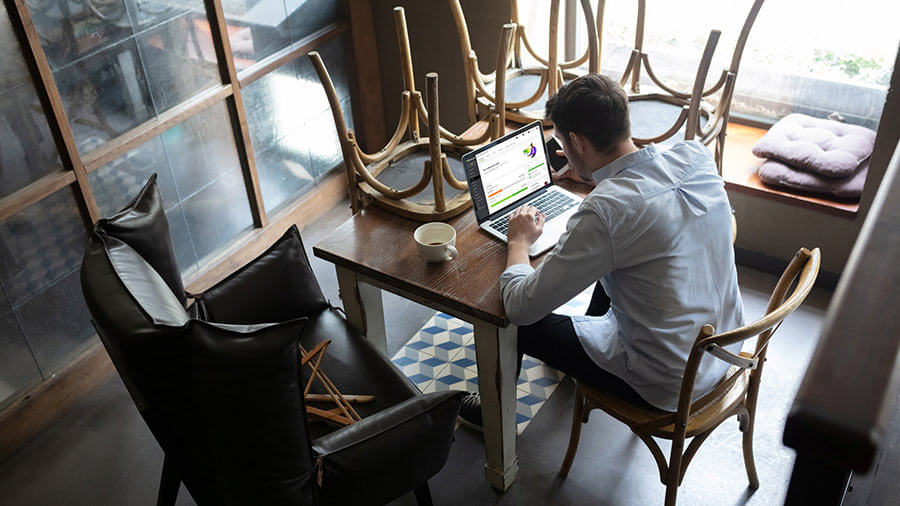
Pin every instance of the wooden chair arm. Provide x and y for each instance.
(741, 361)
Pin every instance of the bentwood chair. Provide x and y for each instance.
(710, 118)
(527, 88)
(736, 394)
(407, 177)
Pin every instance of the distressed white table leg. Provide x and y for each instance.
(495, 349)
(363, 306)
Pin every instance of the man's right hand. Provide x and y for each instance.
(525, 225)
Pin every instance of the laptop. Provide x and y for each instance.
(513, 171)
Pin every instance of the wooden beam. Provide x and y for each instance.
(292, 52)
(845, 400)
(219, 29)
(54, 110)
(154, 126)
(368, 74)
(44, 405)
(43, 187)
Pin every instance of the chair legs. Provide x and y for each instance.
(423, 495)
(671, 473)
(575, 436)
(747, 429)
(671, 493)
(673, 476)
(168, 485)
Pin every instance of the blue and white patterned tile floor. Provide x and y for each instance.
(441, 356)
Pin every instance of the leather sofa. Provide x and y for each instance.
(218, 381)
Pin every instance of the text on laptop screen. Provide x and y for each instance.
(509, 171)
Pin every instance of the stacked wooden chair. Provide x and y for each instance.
(700, 117)
(372, 177)
(545, 78)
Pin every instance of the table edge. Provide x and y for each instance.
(407, 286)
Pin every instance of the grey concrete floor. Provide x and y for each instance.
(103, 454)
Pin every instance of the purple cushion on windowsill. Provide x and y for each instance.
(823, 147)
(775, 173)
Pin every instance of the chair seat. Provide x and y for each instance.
(354, 366)
(521, 86)
(652, 117)
(709, 409)
(406, 171)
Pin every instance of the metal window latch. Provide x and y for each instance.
(723, 354)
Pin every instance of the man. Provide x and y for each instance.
(655, 233)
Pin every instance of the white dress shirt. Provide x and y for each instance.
(656, 233)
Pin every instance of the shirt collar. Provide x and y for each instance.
(624, 162)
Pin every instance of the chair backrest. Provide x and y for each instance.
(803, 268)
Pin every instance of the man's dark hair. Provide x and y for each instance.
(594, 106)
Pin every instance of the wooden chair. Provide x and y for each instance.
(549, 75)
(367, 173)
(736, 394)
(715, 115)
(693, 109)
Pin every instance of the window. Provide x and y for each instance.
(142, 87)
(809, 56)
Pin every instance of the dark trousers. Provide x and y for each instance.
(553, 341)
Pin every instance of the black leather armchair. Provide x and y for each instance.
(219, 383)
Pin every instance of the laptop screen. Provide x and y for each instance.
(507, 170)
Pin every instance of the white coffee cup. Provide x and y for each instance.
(436, 241)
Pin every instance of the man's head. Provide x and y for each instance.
(590, 116)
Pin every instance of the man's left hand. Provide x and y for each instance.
(525, 225)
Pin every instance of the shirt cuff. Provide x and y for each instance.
(512, 272)
(517, 270)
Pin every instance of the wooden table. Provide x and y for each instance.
(374, 250)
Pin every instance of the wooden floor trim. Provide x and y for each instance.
(44, 405)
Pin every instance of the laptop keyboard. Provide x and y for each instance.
(551, 203)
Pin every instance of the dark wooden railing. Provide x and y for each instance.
(839, 416)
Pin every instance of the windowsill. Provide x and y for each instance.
(740, 167)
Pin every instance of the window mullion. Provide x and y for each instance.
(57, 119)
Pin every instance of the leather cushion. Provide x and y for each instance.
(142, 224)
(250, 408)
(826, 148)
(144, 333)
(277, 285)
(395, 450)
(140, 320)
(778, 174)
(354, 366)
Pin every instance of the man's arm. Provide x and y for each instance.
(583, 255)
(525, 226)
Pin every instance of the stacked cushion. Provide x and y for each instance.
(816, 155)
(777, 173)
